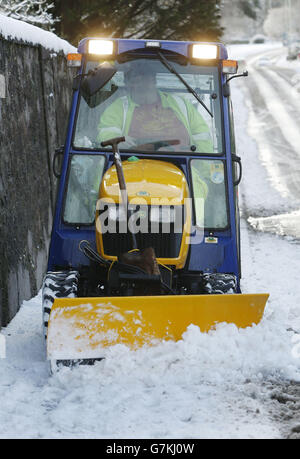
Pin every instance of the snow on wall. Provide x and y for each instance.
(12, 29)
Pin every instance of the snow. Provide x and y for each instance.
(173, 390)
(214, 385)
(18, 30)
(246, 51)
(240, 51)
(293, 64)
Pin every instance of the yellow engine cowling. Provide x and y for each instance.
(149, 183)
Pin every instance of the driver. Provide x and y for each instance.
(146, 115)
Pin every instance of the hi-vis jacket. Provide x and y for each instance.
(117, 118)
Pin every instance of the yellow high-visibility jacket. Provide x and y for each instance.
(117, 118)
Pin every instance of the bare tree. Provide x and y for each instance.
(36, 12)
(162, 19)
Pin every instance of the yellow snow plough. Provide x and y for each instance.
(146, 237)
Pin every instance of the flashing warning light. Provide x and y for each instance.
(229, 66)
(74, 59)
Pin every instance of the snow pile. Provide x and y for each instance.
(18, 30)
(175, 390)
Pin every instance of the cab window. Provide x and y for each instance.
(85, 174)
(209, 193)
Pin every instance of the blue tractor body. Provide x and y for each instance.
(219, 251)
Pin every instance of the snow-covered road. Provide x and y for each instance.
(228, 383)
(272, 96)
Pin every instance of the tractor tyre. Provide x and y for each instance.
(57, 284)
(219, 283)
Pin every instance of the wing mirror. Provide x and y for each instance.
(226, 87)
(97, 78)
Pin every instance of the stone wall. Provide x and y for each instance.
(35, 99)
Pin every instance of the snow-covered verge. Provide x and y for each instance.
(14, 29)
(217, 385)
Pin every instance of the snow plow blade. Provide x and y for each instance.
(81, 328)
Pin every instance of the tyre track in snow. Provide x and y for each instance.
(281, 109)
(279, 85)
(274, 104)
(268, 138)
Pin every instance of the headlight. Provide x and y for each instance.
(101, 47)
(204, 51)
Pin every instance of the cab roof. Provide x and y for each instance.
(125, 45)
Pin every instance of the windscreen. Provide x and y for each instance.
(152, 108)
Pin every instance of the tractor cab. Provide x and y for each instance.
(167, 99)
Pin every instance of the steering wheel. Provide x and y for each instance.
(157, 144)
